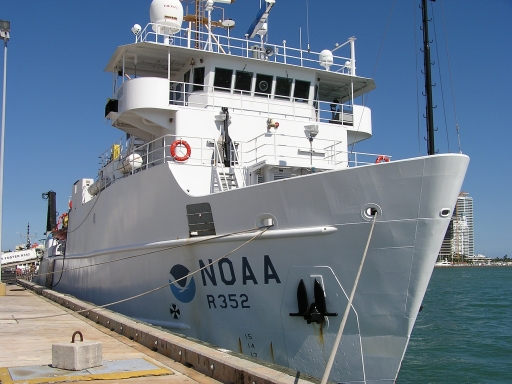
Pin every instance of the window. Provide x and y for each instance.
(198, 79)
(301, 92)
(186, 80)
(263, 84)
(283, 87)
(222, 80)
(243, 81)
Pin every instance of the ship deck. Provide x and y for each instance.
(33, 318)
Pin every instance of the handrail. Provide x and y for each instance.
(265, 148)
(332, 112)
(245, 48)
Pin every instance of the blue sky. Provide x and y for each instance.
(56, 91)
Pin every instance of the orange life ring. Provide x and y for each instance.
(381, 159)
(173, 150)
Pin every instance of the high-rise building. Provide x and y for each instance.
(458, 241)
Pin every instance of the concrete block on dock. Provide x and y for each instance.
(76, 356)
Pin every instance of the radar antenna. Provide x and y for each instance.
(259, 25)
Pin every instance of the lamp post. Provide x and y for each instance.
(5, 29)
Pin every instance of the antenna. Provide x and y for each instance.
(259, 25)
(229, 24)
(28, 244)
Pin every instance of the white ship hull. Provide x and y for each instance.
(19, 257)
(244, 302)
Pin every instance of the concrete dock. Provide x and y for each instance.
(33, 318)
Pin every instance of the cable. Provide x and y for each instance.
(347, 308)
(307, 22)
(440, 78)
(150, 252)
(451, 79)
(61, 273)
(417, 84)
(154, 289)
(365, 102)
(86, 216)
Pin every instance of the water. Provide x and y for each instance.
(464, 333)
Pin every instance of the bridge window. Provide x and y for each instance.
(283, 87)
(301, 92)
(186, 80)
(222, 80)
(243, 81)
(198, 79)
(263, 84)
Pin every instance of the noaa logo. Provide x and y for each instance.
(185, 289)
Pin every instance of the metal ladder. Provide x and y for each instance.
(223, 177)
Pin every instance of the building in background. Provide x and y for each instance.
(458, 243)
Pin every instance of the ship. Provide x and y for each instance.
(234, 210)
(25, 256)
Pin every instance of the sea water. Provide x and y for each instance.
(464, 332)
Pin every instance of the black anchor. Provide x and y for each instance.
(315, 312)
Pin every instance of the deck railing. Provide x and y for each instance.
(188, 95)
(268, 148)
(279, 53)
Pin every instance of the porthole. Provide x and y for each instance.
(263, 84)
(445, 212)
(370, 210)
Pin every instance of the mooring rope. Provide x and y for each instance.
(154, 289)
(149, 252)
(347, 309)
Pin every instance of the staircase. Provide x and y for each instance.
(223, 178)
(223, 174)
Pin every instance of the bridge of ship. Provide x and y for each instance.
(195, 75)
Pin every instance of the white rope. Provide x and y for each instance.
(146, 253)
(347, 309)
(154, 289)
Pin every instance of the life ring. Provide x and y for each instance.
(173, 150)
(381, 159)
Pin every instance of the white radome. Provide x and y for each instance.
(326, 59)
(168, 14)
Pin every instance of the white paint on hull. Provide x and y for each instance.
(147, 212)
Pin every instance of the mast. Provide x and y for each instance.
(28, 236)
(428, 80)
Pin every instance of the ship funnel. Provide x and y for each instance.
(51, 217)
(166, 16)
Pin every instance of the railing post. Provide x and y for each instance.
(275, 144)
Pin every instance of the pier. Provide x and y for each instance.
(33, 318)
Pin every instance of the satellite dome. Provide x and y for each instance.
(326, 58)
(168, 14)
